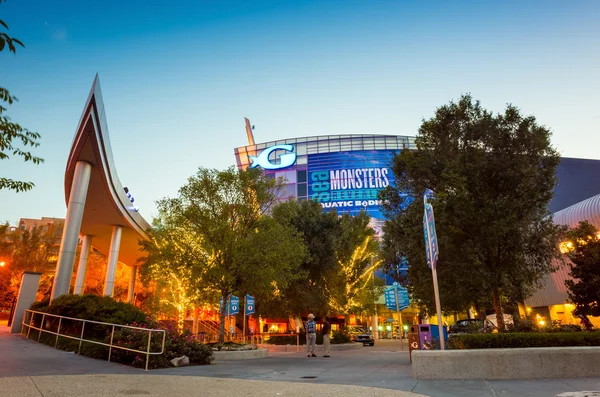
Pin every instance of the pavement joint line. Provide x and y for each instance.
(36, 386)
(491, 388)
(568, 384)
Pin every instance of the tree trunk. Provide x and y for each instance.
(222, 318)
(498, 309)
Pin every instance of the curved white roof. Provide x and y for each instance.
(588, 210)
(107, 203)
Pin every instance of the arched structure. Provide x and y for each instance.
(98, 206)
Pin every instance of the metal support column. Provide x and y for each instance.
(70, 236)
(86, 247)
(113, 258)
(131, 290)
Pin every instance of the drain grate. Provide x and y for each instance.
(309, 377)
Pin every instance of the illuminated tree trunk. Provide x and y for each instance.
(498, 309)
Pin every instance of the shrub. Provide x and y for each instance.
(93, 307)
(339, 337)
(106, 309)
(516, 340)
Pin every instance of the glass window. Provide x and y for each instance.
(334, 145)
(302, 191)
(301, 160)
(301, 174)
(300, 149)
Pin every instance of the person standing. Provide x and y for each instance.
(326, 337)
(311, 335)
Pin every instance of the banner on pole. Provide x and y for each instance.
(250, 308)
(235, 305)
(431, 244)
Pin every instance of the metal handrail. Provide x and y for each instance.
(110, 345)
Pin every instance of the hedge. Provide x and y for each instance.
(521, 339)
(337, 337)
(106, 309)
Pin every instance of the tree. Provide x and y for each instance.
(169, 266)
(14, 139)
(582, 247)
(226, 238)
(34, 250)
(351, 286)
(491, 177)
(320, 232)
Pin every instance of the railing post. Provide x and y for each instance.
(41, 326)
(58, 332)
(30, 321)
(297, 343)
(148, 350)
(81, 337)
(112, 335)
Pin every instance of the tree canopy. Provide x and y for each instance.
(218, 235)
(14, 139)
(582, 246)
(491, 177)
(340, 253)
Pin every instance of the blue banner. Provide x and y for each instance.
(250, 308)
(431, 244)
(234, 302)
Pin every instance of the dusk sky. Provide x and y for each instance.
(178, 77)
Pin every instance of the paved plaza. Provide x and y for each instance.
(31, 369)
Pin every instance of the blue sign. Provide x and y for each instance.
(431, 244)
(285, 160)
(390, 297)
(232, 307)
(250, 308)
(350, 181)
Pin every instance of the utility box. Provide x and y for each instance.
(425, 337)
(435, 334)
(413, 340)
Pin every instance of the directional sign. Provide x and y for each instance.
(390, 297)
(249, 305)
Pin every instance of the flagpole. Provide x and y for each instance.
(229, 315)
(399, 318)
(436, 292)
(245, 304)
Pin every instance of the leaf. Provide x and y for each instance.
(19, 42)
(3, 24)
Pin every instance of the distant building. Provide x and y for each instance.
(52, 226)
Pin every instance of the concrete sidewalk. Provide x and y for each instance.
(385, 367)
(174, 386)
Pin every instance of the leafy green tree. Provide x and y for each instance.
(582, 246)
(320, 231)
(223, 234)
(336, 275)
(492, 176)
(14, 139)
(33, 250)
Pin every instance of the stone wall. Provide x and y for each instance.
(525, 363)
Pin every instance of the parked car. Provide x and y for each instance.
(472, 326)
(361, 335)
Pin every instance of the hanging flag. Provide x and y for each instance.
(250, 308)
(431, 244)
